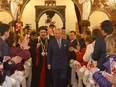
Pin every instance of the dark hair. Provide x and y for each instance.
(63, 28)
(42, 28)
(33, 33)
(89, 39)
(87, 32)
(4, 28)
(27, 26)
(52, 26)
(73, 32)
(107, 26)
(96, 33)
(11, 39)
(82, 43)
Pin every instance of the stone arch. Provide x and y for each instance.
(40, 10)
(104, 11)
(38, 18)
(23, 6)
(97, 19)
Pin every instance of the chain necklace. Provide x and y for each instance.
(44, 47)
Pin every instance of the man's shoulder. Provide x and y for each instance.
(1, 41)
(65, 40)
(52, 37)
(100, 39)
(52, 40)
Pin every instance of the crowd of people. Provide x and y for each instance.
(50, 57)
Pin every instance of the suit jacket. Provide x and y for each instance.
(4, 49)
(32, 44)
(5, 52)
(72, 55)
(58, 57)
(99, 52)
(51, 37)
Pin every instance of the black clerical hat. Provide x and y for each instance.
(42, 28)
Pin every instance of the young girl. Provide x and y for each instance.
(80, 52)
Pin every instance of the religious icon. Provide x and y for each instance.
(86, 5)
(14, 7)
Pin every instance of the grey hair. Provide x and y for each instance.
(58, 29)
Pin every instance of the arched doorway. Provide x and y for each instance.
(40, 10)
(97, 19)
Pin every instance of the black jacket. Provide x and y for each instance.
(99, 52)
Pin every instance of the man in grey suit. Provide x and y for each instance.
(57, 59)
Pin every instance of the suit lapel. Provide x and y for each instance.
(62, 43)
(56, 43)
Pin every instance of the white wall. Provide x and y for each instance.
(96, 18)
(5, 17)
(28, 16)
